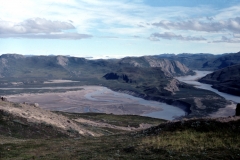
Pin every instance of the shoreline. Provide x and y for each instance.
(177, 103)
(76, 101)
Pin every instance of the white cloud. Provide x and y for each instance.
(36, 25)
(236, 35)
(39, 28)
(116, 18)
(232, 24)
(173, 36)
(92, 14)
(73, 36)
(227, 13)
(225, 39)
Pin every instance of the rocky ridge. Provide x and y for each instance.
(204, 61)
(225, 80)
(169, 67)
(35, 115)
(12, 65)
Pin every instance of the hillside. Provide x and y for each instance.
(14, 65)
(204, 61)
(192, 61)
(169, 67)
(144, 77)
(186, 139)
(225, 80)
(223, 61)
(22, 120)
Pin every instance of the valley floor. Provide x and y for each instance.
(97, 99)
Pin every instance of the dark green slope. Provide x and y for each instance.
(203, 61)
(225, 80)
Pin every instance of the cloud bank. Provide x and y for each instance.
(80, 19)
(173, 36)
(231, 24)
(39, 28)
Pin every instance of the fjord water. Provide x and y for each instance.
(199, 74)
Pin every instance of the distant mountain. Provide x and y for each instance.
(169, 67)
(204, 61)
(225, 80)
(14, 65)
(148, 77)
(140, 72)
(192, 61)
(223, 61)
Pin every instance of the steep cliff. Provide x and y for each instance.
(169, 67)
(192, 61)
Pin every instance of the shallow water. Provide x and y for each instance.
(193, 80)
(98, 98)
(169, 112)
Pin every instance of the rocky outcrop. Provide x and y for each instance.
(225, 80)
(33, 115)
(192, 61)
(169, 67)
(172, 86)
(63, 61)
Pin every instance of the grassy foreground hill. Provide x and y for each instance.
(186, 139)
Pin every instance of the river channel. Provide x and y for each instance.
(193, 80)
(103, 100)
(98, 99)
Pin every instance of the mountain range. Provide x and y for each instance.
(148, 77)
(204, 61)
(30, 132)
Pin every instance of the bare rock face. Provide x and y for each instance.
(169, 67)
(63, 61)
(4, 65)
(172, 86)
(238, 110)
(36, 105)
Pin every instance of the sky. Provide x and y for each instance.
(119, 28)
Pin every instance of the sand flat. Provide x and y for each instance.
(89, 99)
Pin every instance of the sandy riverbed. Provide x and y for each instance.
(89, 99)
